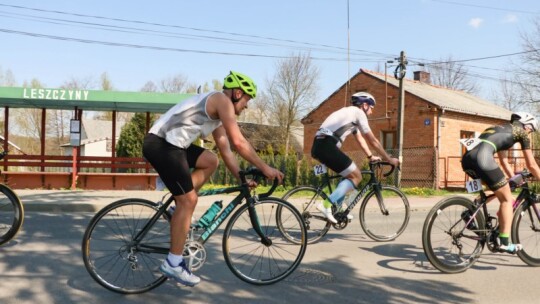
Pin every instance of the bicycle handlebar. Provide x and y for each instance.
(257, 175)
(378, 163)
(519, 179)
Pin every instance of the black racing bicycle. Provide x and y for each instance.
(126, 242)
(384, 212)
(457, 229)
(11, 212)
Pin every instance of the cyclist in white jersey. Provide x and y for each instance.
(185, 167)
(329, 138)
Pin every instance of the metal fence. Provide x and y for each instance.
(420, 168)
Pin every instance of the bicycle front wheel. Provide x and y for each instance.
(264, 261)
(526, 231)
(448, 246)
(306, 199)
(384, 215)
(11, 214)
(111, 255)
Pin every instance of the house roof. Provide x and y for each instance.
(440, 97)
(260, 135)
(447, 99)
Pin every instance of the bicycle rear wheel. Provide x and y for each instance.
(263, 264)
(11, 214)
(447, 246)
(384, 217)
(114, 259)
(526, 231)
(306, 199)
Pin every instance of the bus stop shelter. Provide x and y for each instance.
(20, 171)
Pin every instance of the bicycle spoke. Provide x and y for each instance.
(255, 262)
(111, 255)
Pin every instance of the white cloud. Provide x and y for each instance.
(510, 18)
(476, 22)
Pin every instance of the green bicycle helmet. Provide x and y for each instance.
(237, 80)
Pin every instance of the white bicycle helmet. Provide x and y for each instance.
(361, 97)
(526, 119)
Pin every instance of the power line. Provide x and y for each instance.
(487, 7)
(158, 48)
(190, 28)
(135, 30)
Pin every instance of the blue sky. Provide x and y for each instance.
(200, 34)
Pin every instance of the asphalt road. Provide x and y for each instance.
(44, 265)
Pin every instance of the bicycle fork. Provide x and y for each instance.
(254, 219)
(377, 188)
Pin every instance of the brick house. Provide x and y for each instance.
(435, 118)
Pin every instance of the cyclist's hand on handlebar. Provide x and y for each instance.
(394, 162)
(375, 158)
(272, 173)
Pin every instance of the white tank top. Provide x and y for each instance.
(182, 124)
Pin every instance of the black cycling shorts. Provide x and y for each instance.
(172, 163)
(324, 149)
(480, 163)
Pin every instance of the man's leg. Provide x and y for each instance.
(345, 186)
(205, 166)
(174, 266)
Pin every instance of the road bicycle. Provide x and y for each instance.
(457, 229)
(11, 212)
(384, 212)
(126, 242)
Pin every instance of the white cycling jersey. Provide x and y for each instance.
(182, 124)
(343, 122)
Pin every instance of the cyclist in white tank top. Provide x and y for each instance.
(185, 167)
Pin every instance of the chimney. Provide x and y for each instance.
(422, 76)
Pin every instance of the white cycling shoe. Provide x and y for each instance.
(327, 212)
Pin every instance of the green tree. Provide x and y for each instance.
(132, 136)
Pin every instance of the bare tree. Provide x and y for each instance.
(27, 122)
(149, 86)
(291, 93)
(106, 84)
(7, 79)
(529, 70)
(510, 95)
(453, 75)
(174, 84)
(78, 83)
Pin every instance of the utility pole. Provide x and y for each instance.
(399, 74)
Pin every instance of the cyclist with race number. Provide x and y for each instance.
(479, 163)
(185, 167)
(329, 138)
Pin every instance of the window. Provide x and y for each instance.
(465, 134)
(389, 140)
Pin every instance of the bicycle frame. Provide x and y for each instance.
(220, 218)
(524, 196)
(373, 183)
